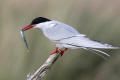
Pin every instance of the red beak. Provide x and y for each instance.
(28, 27)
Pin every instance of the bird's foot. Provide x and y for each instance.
(54, 51)
(62, 51)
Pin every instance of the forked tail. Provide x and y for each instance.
(104, 55)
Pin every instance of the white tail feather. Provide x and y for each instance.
(101, 52)
(96, 50)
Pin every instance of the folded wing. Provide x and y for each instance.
(81, 42)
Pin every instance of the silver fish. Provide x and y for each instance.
(24, 39)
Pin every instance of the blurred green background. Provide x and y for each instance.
(98, 19)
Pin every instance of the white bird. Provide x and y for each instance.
(66, 36)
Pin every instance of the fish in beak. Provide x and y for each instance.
(23, 36)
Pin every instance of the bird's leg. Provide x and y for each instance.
(55, 51)
(62, 51)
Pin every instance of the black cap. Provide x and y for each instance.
(39, 20)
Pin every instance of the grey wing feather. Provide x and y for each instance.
(60, 31)
(80, 41)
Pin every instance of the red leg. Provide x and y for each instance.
(62, 51)
(54, 51)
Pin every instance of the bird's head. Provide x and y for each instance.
(35, 23)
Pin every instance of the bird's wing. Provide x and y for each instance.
(58, 31)
(83, 42)
(67, 35)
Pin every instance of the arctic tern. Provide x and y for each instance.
(66, 36)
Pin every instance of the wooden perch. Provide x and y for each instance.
(43, 70)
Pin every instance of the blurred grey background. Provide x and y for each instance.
(98, 19)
